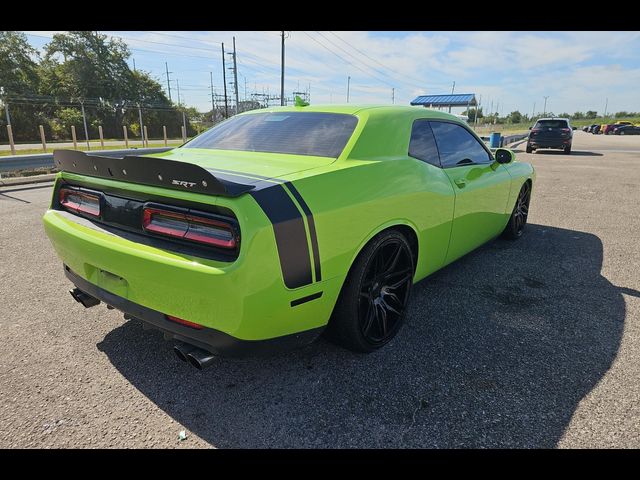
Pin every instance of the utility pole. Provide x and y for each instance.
(141, 125)
(475, 120)
(393, 95)
(348, 86)
(134, 64)
(178, 84)
(235, 76)
(544, 110)
(606, 104)
(6, 109)
(168, 82)
(282, 71)
(452, 89)
(213, 102)
(224, 82)
(533, 113)
(84, 120)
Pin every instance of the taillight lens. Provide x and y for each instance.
(81, 202)
(189, 226)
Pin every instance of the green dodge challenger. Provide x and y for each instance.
(276, 225)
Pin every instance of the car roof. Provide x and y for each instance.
(371, 109)
(552, 118)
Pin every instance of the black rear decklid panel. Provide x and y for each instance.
(158, 172)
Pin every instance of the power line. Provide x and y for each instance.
(373, 59)
(343, 59)
(355, 58)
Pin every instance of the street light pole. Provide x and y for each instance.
(348, 86)
(282, 72)
(544, 110)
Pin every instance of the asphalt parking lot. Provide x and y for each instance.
(534, 343)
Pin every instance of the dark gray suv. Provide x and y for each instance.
(550, 133)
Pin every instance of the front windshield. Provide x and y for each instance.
(298, 133)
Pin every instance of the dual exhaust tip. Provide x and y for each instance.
(197, 357)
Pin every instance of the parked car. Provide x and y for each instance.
(277, 224)
(550, 133)
(595, 129)
(608, 129)
(623, 122)
(627, 130)
(585, 128)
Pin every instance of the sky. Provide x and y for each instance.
(576, 71)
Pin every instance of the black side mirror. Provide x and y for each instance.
(573, 128)
(503, 156)
(530, 128)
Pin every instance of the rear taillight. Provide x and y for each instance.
(189, 226)
(566, 130)
(80, 202)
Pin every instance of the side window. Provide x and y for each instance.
(422, 144)
(457, 146)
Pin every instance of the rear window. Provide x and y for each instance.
(552, 124)
(298, 133)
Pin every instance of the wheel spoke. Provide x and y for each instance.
(370, 315)
(401, 282)
(382, 320)
(388, 307)
(394, 260)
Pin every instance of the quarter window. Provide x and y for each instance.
(457, 147)
(422, 144)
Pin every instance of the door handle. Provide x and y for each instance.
(460, 182)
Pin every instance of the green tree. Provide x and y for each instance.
(18, 83)
(89, 67)
(471, 114)
(515, 117)
(577, 116)
(591, 114)
(18, 69)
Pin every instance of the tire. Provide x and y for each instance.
(363, 318)
(567, 150)
(529, 149)
(518, 219)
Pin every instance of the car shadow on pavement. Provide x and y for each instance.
(574, 153)
(498, 350)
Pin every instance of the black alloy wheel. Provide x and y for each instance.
(384, 291)
(372, 303)
(518, 218)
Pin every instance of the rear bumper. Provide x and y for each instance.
(215, 341)
(241, 301)
(555, 143)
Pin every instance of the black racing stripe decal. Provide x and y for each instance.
(308, 298)
(312, 229)
(290, 233)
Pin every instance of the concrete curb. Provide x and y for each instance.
(48, 177)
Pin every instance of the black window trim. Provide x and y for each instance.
(466, 127)
(413, 124)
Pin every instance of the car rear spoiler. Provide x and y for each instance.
(158, 172)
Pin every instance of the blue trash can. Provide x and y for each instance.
(494, 140)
